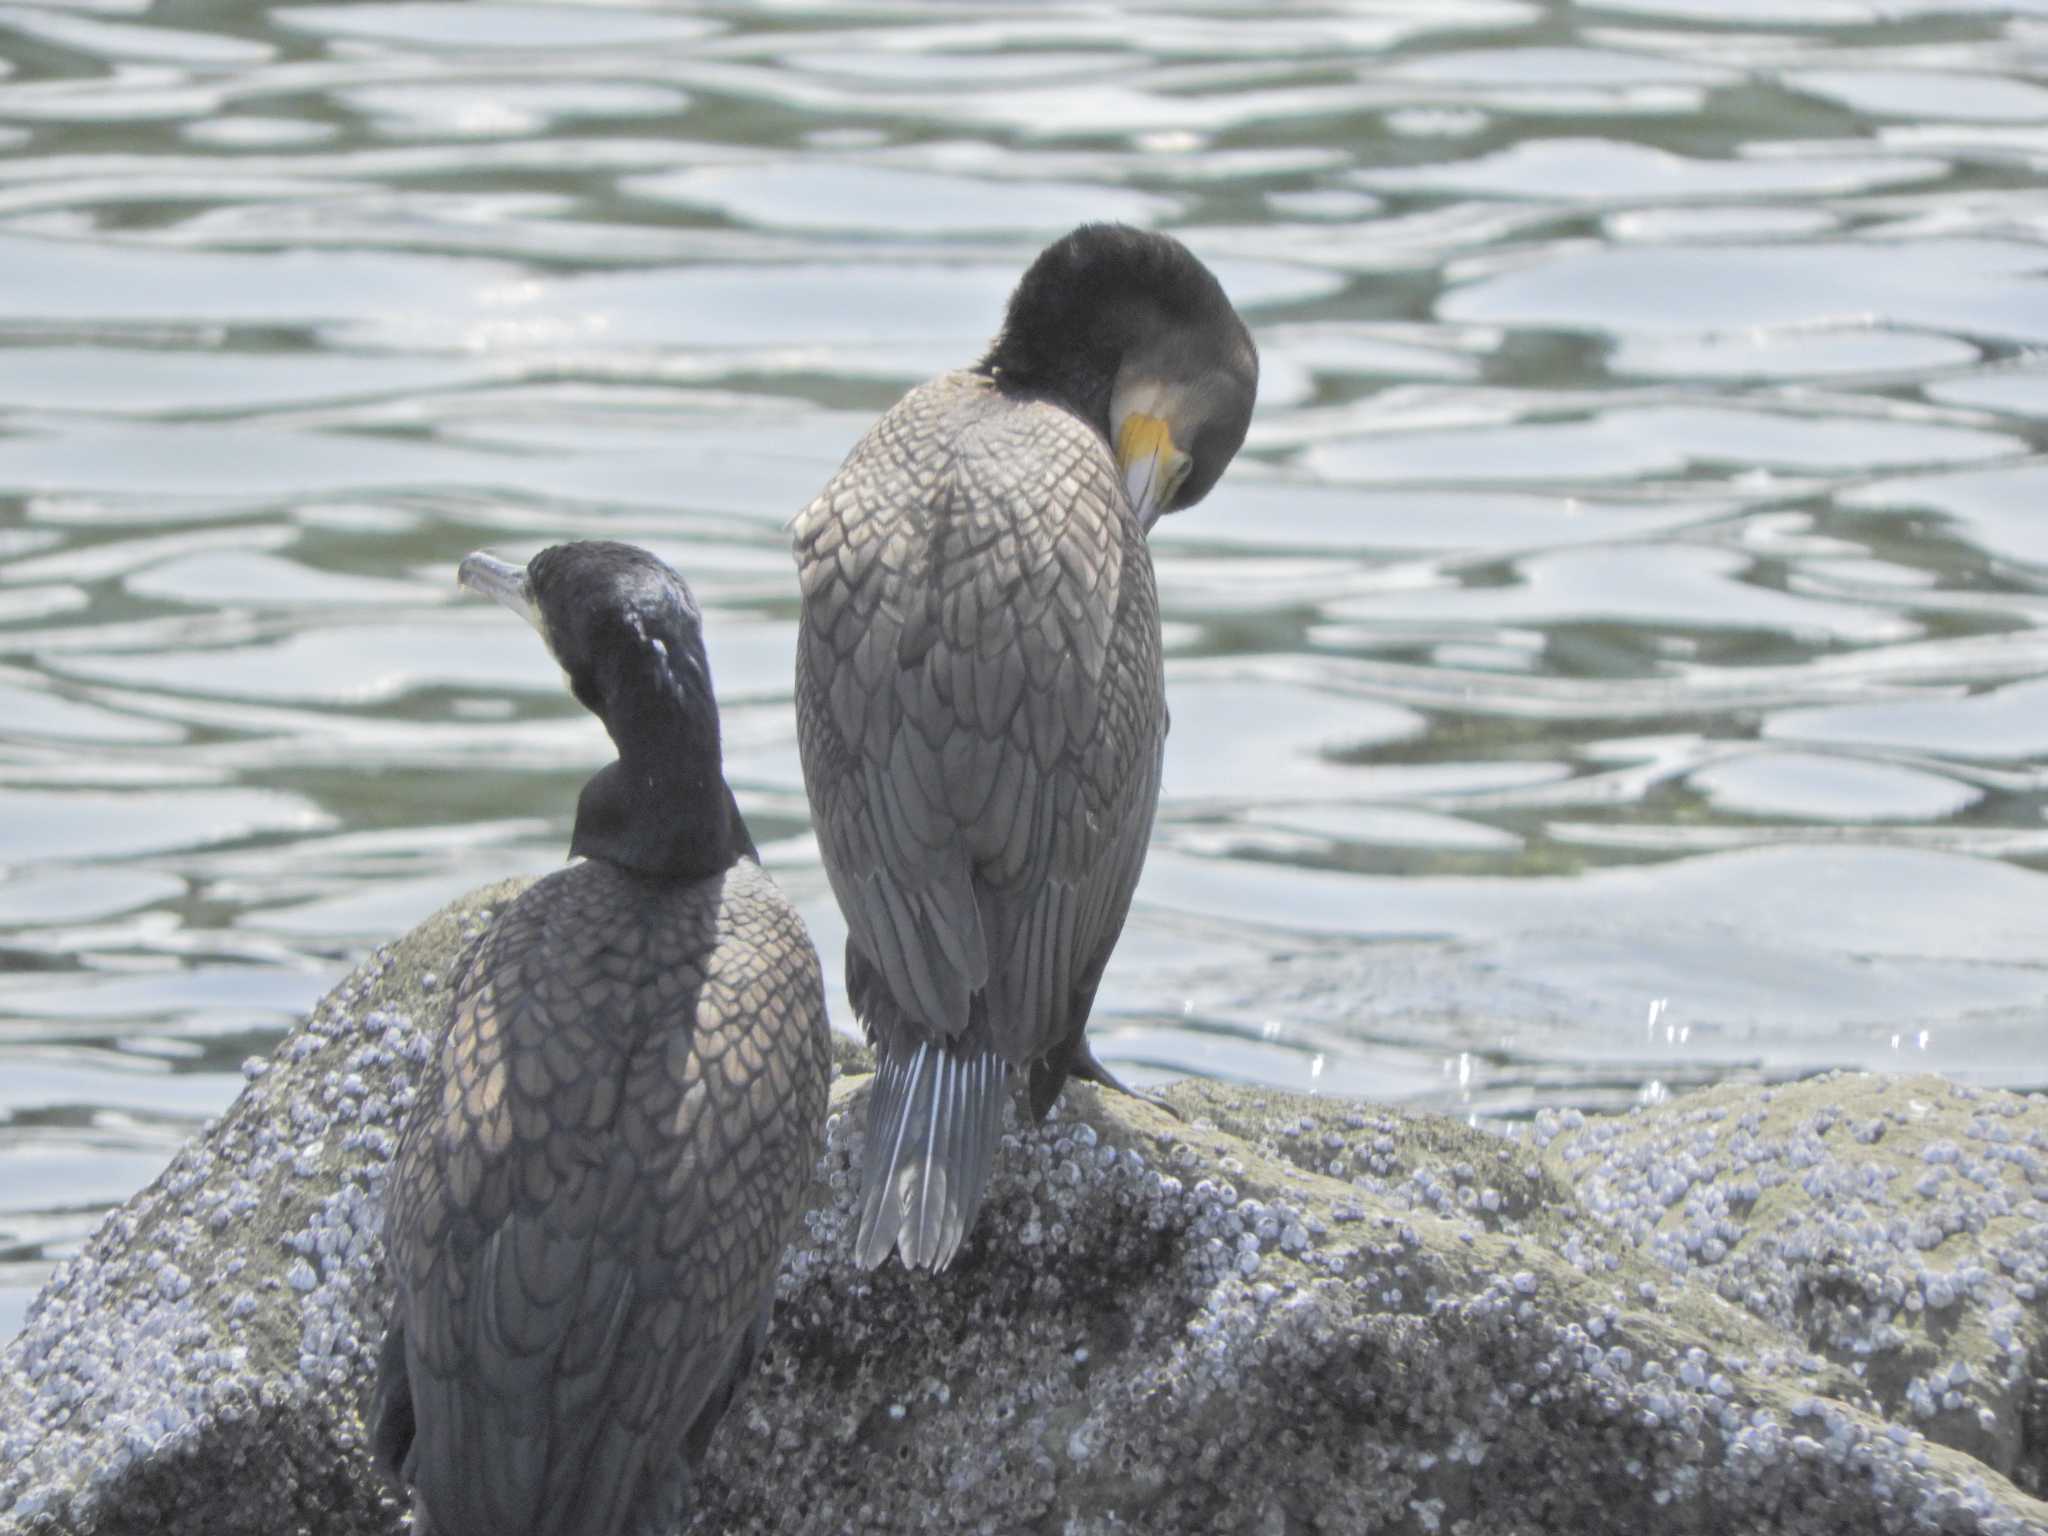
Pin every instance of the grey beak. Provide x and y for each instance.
(502, 582)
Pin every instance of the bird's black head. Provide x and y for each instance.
(1134, 335)
(628, 635)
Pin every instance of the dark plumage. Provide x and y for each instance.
(610, 1146)
(980, 701)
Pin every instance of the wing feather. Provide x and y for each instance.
(567, 1312)
(983, 812)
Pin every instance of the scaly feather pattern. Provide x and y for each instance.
(589, 1203)
(981, 712)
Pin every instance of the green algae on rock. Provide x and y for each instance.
(1815, 1308)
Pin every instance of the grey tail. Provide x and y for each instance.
(934, 1118)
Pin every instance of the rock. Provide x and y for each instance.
(199, 1365)
(1815, 1308)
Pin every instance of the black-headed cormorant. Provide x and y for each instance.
(980, 701)
(610, 1146)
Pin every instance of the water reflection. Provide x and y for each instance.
(1629, 606)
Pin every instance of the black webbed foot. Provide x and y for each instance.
(1089, 1070)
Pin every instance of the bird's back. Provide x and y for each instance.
(591, 1197)
(980, 704)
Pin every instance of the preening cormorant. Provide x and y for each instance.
(610, 1146)
(980, 701)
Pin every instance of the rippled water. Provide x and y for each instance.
(1616, 663)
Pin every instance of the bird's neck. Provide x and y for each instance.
(1068, 346)
(664, 808)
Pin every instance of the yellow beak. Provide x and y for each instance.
(1153, 468)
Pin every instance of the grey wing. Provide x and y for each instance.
(578, 1257)
(895, 860)
(981, 710)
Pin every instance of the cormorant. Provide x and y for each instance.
(980, 701)
(610, 1146)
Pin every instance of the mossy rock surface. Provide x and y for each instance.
(1814, 1308)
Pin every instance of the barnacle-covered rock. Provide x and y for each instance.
(199, 1365)
(1812, 1308)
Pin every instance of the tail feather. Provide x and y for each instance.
(934, 1119)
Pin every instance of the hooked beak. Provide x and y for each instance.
(1153, 468)
(503, 583)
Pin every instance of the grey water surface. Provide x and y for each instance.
(1617, 662)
